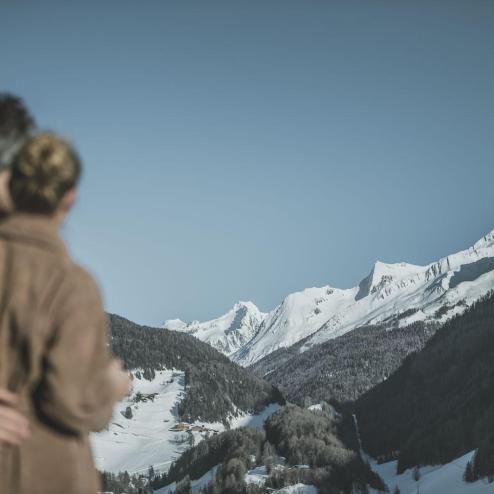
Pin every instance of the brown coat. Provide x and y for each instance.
(54, 354)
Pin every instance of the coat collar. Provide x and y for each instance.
(35, 229)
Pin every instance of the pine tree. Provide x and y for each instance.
(184, 486)
(468, 475)
(416, 476)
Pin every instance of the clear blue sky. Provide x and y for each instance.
(244, 150)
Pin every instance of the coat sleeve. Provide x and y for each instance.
(76, 393)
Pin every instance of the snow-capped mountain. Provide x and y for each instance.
(227, 333)
(396, 294)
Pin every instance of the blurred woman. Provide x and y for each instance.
(53, 337)
(16, 124)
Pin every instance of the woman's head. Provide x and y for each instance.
(16, 124)
(44, 175)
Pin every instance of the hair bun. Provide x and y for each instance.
(45, 168)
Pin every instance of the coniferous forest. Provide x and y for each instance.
(440, 403)
(342, 369)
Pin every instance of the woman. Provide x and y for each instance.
(16, 124)
(53, 341)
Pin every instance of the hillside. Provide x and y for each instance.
(439, 404)
(438, 479)
(343, 368)
(216, 388)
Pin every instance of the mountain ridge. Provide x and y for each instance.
(403, 292)
(226, 333)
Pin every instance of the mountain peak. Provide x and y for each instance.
(383, 273)
(485, 241)
(227, 332)
(175, 324)
(248, 305)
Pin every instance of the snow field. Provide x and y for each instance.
(145, 439)
(439, 479)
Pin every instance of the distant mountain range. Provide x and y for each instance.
(394, 295)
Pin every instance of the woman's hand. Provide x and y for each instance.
(14, 427)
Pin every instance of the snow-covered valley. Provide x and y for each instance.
(154, 435)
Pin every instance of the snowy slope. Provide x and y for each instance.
(145, 439)
(227, 333)
(196, 485)
(259, 475)
(150, 437)
(297, 489)
(447, 479)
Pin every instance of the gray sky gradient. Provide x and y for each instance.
(244, 150)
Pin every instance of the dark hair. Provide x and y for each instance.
(44, 169)
(16, 123)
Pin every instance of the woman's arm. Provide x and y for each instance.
(81, 382)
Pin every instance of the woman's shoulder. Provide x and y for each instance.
(80, 281)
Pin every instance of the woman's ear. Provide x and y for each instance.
(5, 200)
(68, 199)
